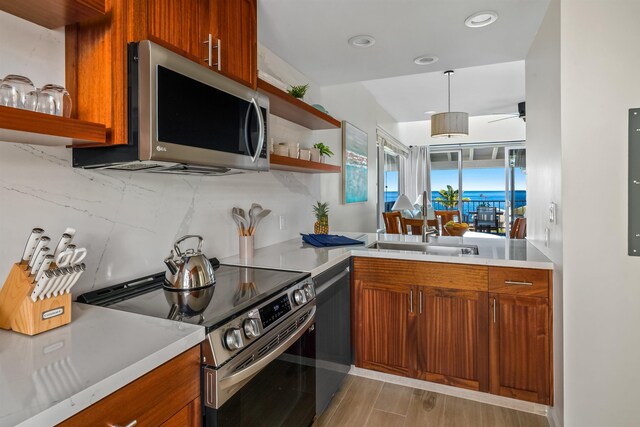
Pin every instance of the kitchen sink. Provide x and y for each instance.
(427, 248)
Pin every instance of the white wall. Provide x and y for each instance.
(544, 167)
(480, 130)
(600, 82)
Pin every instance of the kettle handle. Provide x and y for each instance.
(176, 245)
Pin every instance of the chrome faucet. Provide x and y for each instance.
(426, 231)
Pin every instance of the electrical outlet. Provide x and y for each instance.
(283, 222)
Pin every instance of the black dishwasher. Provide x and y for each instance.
(333, 331)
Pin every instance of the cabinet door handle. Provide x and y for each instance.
(131, 424)
(410, 300)
(514, 282)
(210, 47)
(494, 310)
(420, 301)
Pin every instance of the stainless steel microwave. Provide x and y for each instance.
(185, 119)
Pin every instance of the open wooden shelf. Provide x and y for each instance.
(54, 13)
(297, 165)
(18, 125)
(289, 108)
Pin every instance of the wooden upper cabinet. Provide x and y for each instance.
(381, 327)
(451, 337)
(238, 34)
(183, 24)
(520, 347)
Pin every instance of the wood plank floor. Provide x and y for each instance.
(371, 403)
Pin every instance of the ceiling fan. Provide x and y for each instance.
(521, 114)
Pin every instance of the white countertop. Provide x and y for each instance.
(49, 377)
(295, 255)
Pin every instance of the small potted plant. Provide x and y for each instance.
(298, 91)
(321, 211)
(323, 151)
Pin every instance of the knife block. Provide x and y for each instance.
(20, 314)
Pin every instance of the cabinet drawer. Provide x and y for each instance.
(519, 281)
(441, 275)
(151, 399)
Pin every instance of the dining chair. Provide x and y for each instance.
(416, 224)
(486, 219)
(519, 229)
(394, 223)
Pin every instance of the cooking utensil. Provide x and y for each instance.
(41, 284)
(188, 270)
(70, 256)
(46, 293)
(32, 241)
(65, 240)
(244, 224)
(78, 270)
(48, 259)
(254, 210)
(44, 241)
(257, 220)
(39, 259)
(67, 273)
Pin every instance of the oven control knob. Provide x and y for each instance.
(299, 296)
(233, 339)
(308, 290)
(251, 328)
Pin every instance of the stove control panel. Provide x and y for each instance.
(243, 331)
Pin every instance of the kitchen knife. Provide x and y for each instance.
(65, 240)
(32, 241)
(41, 285)
(44, 241)
(79, 270)
(46, 292)
(66, 275)
(48, 259)
(39, 258)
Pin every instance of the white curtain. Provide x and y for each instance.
(416, 174)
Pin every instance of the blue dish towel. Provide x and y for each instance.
(327, 240)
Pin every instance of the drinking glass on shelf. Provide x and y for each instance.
(15, 89)
(61, 97)
(41, 102)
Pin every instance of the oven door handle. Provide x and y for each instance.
(253, 369)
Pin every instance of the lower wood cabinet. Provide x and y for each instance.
(167, 396)
(383, 311)
(520, 347)
(451, 337)
(458, 334)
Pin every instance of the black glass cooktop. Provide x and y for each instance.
(237, 289)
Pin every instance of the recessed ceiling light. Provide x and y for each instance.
(362, 41)
(425, 59)
(481, 19)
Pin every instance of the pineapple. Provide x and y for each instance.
(321, 211)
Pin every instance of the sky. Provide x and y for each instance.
(481, 179)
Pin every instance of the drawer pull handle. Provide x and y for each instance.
(512, 282)
(131, 424)
(410, 300)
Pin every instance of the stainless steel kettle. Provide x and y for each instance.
(189, 269)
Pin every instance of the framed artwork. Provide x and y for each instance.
(355, 159)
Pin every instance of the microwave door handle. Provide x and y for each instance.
(260, 130)
(246, 134)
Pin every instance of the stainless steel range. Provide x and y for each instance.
(258, 360)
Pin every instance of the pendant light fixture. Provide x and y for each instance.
(449, 124)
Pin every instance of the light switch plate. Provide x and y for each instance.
(283, 222)
(634, 182)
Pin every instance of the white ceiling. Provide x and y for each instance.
(312, 35)
(483, 90)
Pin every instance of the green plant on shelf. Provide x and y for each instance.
(298, 91)
(324, 149)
